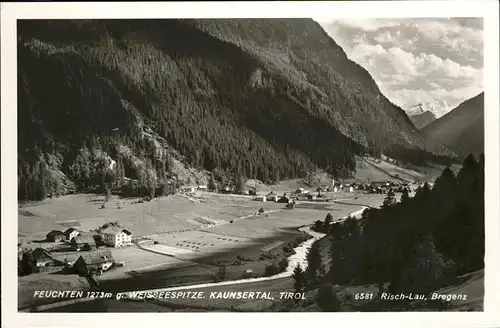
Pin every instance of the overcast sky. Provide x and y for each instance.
(416, 60)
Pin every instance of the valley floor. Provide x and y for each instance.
(180, 248)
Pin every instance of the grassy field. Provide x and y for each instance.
(252, 241)
(84, 212)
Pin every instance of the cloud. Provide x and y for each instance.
(416, 60)
(457, 35)
(368, 25)
(384, 37)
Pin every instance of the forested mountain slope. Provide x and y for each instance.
(421, 120)
(462, 129)
(270, 99)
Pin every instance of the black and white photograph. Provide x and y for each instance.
(250, 164)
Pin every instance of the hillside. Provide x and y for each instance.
(421, 120)
(269, 99)
(462, 129)
(432, 242)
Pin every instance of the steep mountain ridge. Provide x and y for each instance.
(462, 129)
(270, 99)
(421, 120)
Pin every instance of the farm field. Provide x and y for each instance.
(186, 237)
(84, 212)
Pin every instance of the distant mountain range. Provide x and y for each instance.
(462, 129)
(438, 108)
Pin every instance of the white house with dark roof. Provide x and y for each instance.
(272, 197)
(71, 233)
(116, 237)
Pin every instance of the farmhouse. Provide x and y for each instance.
(248, 273)
(202, 187)
(189, 189)
(116, 237)
(301, 191)
(55, 235)
(65, 259)
(272, 197)
(71, 233)
(261, 198)
(285, 199)
(42, 257)
(83, 243)
(95, 262)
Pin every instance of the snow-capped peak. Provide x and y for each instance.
(437, 107)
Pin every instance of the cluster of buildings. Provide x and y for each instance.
(87, 263)
(383, 187)
(192, 189)
(86, 257)
(111, 236)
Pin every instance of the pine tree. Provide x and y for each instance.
(390, 199)
(212, 184)
(405, 196)
(241, 185)
(298, 278)
(313, 263)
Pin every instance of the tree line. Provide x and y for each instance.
(417, 244)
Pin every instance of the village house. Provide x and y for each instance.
(95, 262)
(189, 189)
(55, 236)
(116, 237)
(272, 197)
(83, 243)
(301, 191)
(42, 257)
(65, 259)
(71, 233)
(285, 199)
(322, 188)
(202, 187)
(349, 188)
(261, 198)
(311, 197)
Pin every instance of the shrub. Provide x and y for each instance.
(283, 265)
(271, 270)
